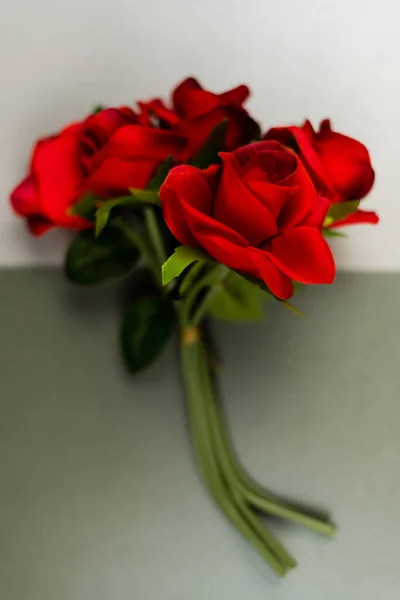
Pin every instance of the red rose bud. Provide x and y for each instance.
(258, 213)
(106, 154)
(197, 111)
(339, 165)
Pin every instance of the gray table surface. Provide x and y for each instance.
(100, 499)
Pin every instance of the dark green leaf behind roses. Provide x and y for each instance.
(92, 260)
(145, 329)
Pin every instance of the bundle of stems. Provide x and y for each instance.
(242, 500)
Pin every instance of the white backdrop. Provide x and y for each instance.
(315, 58)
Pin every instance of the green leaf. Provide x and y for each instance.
(237, 300)
(92, 260)
(145, 329)
(340, 210)
(145, 196)
(134, 200)
(333, 233)
(214, 144)
(86, 206)
(161, 174)
(104, 211)
(179, 260)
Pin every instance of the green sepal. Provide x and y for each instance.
(292, 308)
(340, 210)
(333, 233)
(98, 109)
(86, 207)
(180, 260)
(145, 196)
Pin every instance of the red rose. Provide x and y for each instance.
(106, 154)
(197, 111)
(339, 165)
(257, 213)
(44, 196)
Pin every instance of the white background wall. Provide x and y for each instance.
(315, 58)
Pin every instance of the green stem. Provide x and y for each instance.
(155, 235)
(283, 511)
(211, 280)
(142, 245)
(197, 270)
(193, 377)
(254, 522)
(255, 494)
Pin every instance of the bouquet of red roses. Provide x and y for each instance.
(207, 216)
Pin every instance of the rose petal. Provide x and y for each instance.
(157, 107)
(346, 162)
(192, 186)
(234, 256)
(339, 164)
(201, 225)
(175, 217)
(24, 197)
(273, 197)
(300, 204)
(304, 255)
(73, 129)
(237, 96)
(358, 217)
(134, 143)
(115, 176)
(350, 179)
(250, 262)
(285, 189)
(247, 153)
(199, 103)
(297, 139)
(107, 121)
(192, 101)
(38, 225)
(196, 131)
(99, 127)
(58, 174)
(179, 94)
(187, 200)
(242, 129)
(212, 176)
(280, 284)
(239, 209)
(317, 217)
